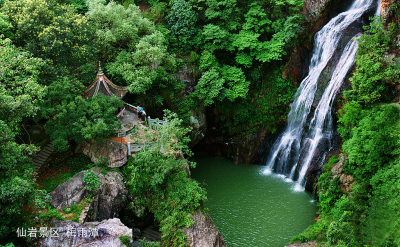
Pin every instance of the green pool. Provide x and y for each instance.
(251, 209)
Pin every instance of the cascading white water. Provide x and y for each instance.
(378, 9)
(308, 132)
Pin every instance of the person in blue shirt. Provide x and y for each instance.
(141, 113)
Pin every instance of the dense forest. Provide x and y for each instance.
(229, 60)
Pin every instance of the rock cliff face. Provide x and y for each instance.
(91, 234)
(313, 9)
(115, 153)
(346, 181)
(198, 122)
(384, 8)
(107, 200)
(249, 149)
(316, 14)
(203, 233)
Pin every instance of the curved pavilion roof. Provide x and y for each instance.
(104, 86)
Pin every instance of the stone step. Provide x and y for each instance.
(42, 156)
(151, 234)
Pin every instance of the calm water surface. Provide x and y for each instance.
(251, 209)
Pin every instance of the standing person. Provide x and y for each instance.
(140, 112)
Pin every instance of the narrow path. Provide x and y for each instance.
(42, 156)
(151, 233)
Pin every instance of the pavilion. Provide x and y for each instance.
(104, 86)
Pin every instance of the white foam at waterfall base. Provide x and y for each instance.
(288, 156)
(267, 171)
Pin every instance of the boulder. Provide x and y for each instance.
(115, 153)
(91, 234)
(203, 232)
(106, 201)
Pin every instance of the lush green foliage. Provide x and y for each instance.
(125, 240)
(51, 31)
(131, 45)
(80, 119)
(271, 99)
(254, 38)
(381, 224)
(230, 54)
(370, 127)
(182, 21)
(375, 73)
(374, 142)
(157, 178)
(19, 97)
(74, 164)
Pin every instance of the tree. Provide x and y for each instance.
(130, 44)
(19, 84)
(261, 35)
(20, 94)
(182, 23)
(382, 222)
(53, 31)
(373, 142)
(72, 118)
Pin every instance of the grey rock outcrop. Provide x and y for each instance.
(307, 244)
(106, 201)
(203, 232)
(198, 122)
(114, 152)
(346, 180)
(91, 234)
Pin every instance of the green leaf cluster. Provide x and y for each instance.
(20, 94)
(90, 180)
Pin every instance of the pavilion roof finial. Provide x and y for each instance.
(100, 70)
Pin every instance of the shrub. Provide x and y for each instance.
(374, 141)
(126, 240)
(91, 181)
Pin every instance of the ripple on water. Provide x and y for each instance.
(251, 209)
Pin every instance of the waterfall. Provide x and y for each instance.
(308, 135)
(378, 9)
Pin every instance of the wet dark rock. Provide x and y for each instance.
(249, 149)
